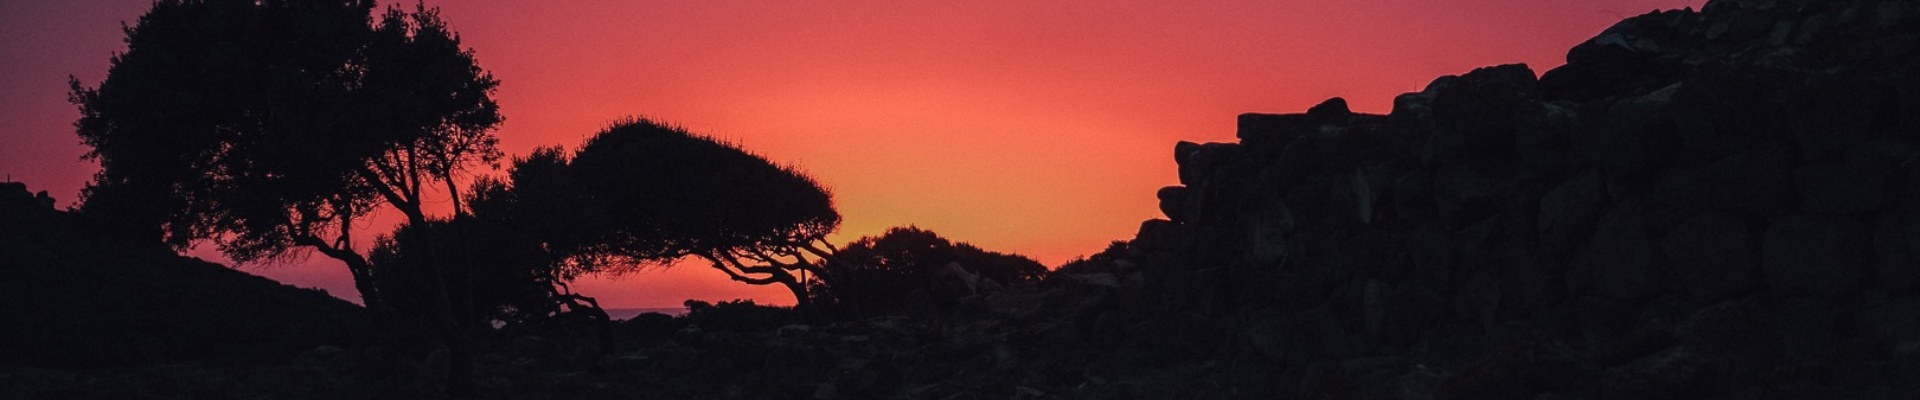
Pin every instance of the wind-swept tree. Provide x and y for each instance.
(642, 194)
(272, 127)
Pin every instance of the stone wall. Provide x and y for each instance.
(1718, 202)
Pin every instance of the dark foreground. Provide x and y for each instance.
(1713, 204)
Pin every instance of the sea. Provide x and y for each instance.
(629, 313)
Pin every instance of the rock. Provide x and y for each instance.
(1815, 255)
(1332, 110)
(1467, 195)
(1363, 197)
(1161, 235)
(1809, 327)
(1543, 136)
(1724, 110)
(1267, 234)
(1477, 301)
(1832, 113)
(1514, 371)
(1674, 373)
(1840, 188)
(1638, 135)
(14, 190)
(625, 363)
(1714, 256)
(323, 357)
(1888, 14)
(1895, 322)
(1183, 151)
(1475, 116)
(1396, 314)
(1270, 133)
(1430, 250)
(1569, 210)
(1413, 196)
(1206, 160)
(1625, 59)
(1173, 202)
(797, 363)
(326, 351)
(691, 335)
(1740, 332)
(1620, 257)
(1896, 236)
(1697, 205)
(795, 330)
(1758, 182)
(531, 344)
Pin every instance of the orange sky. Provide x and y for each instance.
(1036, 127)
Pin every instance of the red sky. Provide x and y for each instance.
(1036, 127)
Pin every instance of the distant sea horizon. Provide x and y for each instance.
(629, 313)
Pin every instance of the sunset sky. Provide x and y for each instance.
(1036, 127)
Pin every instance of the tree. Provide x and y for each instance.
(506, 276)
(878, 275)
(642, 194)
(514, 278)
(271, 127)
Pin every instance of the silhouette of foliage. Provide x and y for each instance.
(739, 315)
(270, 127)
(213, 127)
(1108, 260)
(507, 274)
(886, 274)
(642, 194)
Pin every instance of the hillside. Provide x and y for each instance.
(73, 299)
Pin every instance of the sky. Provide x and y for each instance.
(1035, 127)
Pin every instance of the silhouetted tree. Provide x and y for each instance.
(635, 195)
(642, 194)
(270, 126)
(507, 275)
(884, 274)
(513, 277)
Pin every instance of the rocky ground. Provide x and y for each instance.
(1022, 343)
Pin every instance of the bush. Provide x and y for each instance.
(739, 315)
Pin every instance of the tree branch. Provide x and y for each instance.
(721, 265)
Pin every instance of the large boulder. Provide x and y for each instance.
(1714, 255)
(1815, 255)
(1837, 187)
(1757, 181)
(1569, 209)
(1621, 258)
(1896, 250)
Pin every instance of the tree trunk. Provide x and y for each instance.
(386, 325)
(452, 331)
(588, 306)
(801, 302)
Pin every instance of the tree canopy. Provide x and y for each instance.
(658, 192)
(641, 193)
(263, 125)
(270, 126)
